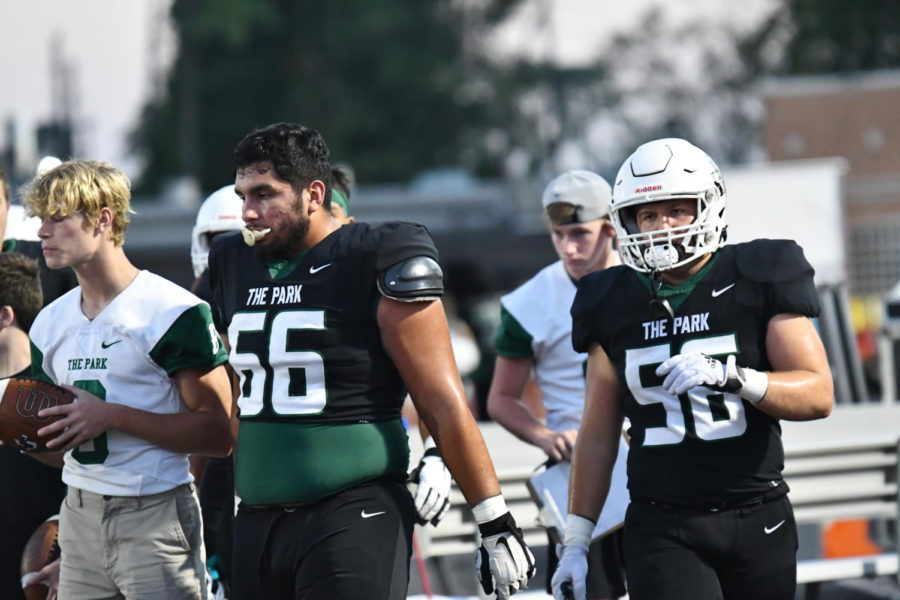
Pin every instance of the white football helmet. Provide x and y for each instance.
(667, 169)
(221, 211)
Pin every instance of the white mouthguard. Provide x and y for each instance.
(251, 236)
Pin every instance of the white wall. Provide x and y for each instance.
(799, 200)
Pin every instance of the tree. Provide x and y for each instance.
(389, 83)
(832, 36)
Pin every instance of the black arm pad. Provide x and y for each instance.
(414, 279)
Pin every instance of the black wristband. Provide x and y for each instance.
(503, 523)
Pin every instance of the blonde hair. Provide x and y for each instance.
(84, 186)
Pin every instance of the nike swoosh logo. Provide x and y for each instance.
(314, 270)
(717, 293)
(104, 345)
(366, 515)
(769, 530)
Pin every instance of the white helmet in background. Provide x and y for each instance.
(221, 211)
(667, 169)
(19, 226)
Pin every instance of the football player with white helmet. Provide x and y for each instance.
(220, 212)
(330, 326)
(704, 347)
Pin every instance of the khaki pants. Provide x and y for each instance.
(138, 548)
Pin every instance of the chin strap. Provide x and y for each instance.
(659, 307)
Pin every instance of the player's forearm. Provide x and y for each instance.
(798, 396)
(514, 416)
(592, 465)
(200, 432)
(464, 452)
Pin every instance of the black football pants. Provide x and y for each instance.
(354, 545)
(678, 553)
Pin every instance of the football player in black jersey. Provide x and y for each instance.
(329, 327)
(703, 347)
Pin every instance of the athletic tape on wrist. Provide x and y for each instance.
(756, 384)
(578, 531)
(750, 384)
(489, 509)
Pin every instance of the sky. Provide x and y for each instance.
(116, 49)
(110, 46)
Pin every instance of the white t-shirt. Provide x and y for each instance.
(541, 306)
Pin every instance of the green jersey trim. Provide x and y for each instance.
(279, 269)
(512, 341)
(37, 365)
(677, 294)
(190, 343)
(9, 246)
(289, 462)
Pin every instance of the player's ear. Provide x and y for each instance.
(316, 191)
(104, 220)
(7, 316)
(609, 228)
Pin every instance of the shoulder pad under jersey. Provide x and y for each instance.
(595, 286)
(414, 279)
(772, 261)
(588, 307)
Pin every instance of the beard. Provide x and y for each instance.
(282, 243)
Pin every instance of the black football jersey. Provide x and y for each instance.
(306, 343)
(705, 446)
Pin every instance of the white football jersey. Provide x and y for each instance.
(541, 306)
(126, 355)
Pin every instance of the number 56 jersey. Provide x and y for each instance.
(319, 397)
(706, 446)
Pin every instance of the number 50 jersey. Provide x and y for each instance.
(306, 346)
(706, 446)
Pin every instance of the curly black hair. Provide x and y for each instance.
(298, 154)
(20, 287)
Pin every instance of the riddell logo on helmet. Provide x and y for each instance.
(648, 188)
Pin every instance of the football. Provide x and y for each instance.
(41, 549)
(20, 401)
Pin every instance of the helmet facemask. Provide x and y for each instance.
(665, 249)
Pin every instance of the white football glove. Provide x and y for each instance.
(434, 482)
(503, 562)
(686, 371)
(569, 579)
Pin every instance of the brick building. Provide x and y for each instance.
(854, 116)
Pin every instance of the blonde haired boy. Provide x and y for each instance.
(144, 360)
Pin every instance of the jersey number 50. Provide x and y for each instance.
(715, 415)
(291, 381)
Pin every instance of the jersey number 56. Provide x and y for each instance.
(290, 380)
